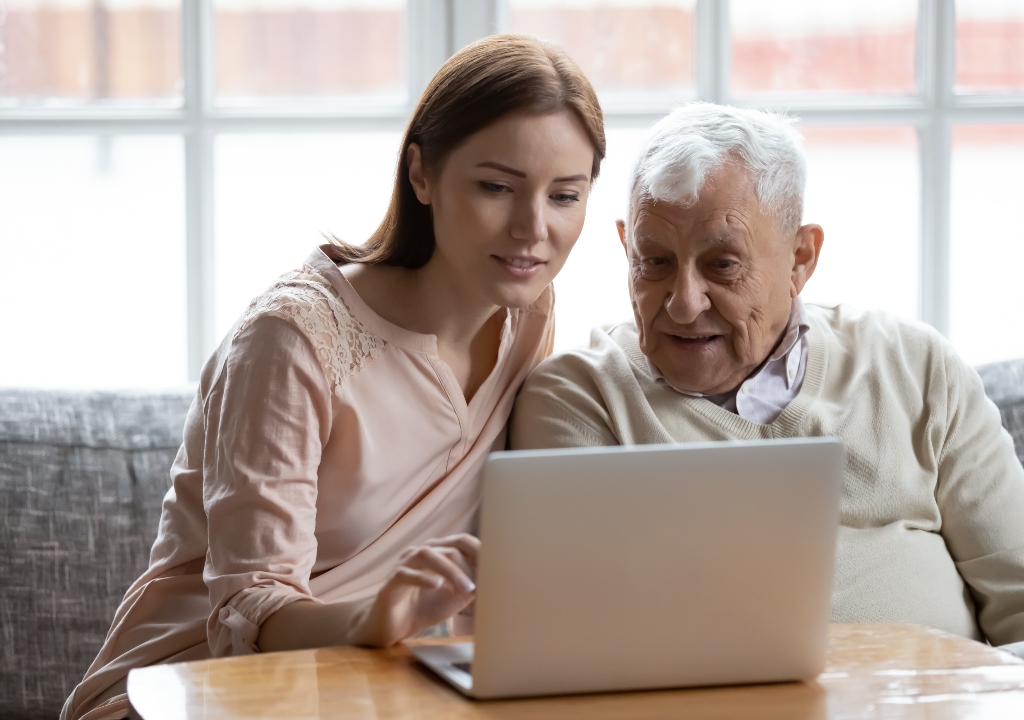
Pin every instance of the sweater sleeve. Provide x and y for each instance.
(268, 418)
(555, 410)
(980, 493)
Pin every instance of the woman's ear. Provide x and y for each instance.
(421, 185)
(809, 239)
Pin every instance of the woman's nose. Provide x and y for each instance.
(529, 221)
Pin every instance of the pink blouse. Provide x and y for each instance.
(323, 441)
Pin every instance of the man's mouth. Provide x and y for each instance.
(693, 340)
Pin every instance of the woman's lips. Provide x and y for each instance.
(520, 267)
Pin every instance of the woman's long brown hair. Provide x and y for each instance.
(481, 83)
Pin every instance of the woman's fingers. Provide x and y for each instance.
(420, 578)
(437, 560)
(463, 542)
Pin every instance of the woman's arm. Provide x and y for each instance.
(267, 423)
(433, 582)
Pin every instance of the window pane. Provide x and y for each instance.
(830, 46)
(276, 193)
(863, 188)
(92, 262)
(313, 49)
(71, 52)
(592, 288)
(987, 252)
(990, 45)
(622, 45)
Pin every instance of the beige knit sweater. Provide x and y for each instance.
(933, 498)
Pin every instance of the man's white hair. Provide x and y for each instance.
(684, 148)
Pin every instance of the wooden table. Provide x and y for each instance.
(885, 671)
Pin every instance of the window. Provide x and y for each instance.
(161, 161)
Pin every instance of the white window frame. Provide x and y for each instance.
(437, 28)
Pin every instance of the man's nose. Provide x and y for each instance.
(689, 297)
(529, 221)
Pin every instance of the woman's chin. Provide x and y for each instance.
(519, 296)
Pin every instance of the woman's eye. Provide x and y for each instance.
(655, 261)
(724, 265)
(565, 198)
(495, 187)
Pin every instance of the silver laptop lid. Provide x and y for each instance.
(655, 566)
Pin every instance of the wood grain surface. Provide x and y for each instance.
(889, 671)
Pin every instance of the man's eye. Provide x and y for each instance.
(654, 261)
(723, 265)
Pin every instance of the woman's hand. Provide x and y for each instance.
(434, 581)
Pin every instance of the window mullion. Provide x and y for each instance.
(474, 19)
(939, 28)
(197, 70)
(712, 54)
(430, 42)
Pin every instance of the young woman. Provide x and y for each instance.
(328, 475)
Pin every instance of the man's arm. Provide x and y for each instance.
(557, 409)
(980, 494)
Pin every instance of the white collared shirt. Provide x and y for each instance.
(764, 395)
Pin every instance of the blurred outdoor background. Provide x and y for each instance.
(98, 157)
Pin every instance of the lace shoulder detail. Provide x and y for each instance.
(307, 299)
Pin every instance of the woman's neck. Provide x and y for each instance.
(423, 300)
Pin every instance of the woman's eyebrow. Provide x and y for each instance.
(520, 173)
(502, 168)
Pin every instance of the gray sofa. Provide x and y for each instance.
(81, 479)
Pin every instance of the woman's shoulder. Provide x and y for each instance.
(307, 300)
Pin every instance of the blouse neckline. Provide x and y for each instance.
(321, 260)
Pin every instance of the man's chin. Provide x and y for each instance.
(682, 377)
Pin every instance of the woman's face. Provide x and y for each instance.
(508, 205)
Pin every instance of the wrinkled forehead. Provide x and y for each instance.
(730, 182)
(727, 203)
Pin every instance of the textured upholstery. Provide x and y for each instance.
(81, 479)
(1004, 383)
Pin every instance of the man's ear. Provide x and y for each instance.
(417, 176)
(809, 239)
(620, 225)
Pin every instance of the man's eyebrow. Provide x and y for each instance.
(724, 239)
(502, 168)
(520, 173)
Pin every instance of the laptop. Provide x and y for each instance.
(652, 566)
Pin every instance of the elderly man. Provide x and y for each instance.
(723, 348)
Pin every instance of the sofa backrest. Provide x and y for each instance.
(82, 476)
(1004, 384)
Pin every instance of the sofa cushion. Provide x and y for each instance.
(1004, 383)
(82, 476)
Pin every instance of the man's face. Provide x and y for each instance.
(712, 285)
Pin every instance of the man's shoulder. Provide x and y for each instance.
(608, 352)
(881, 338)
(852, 322)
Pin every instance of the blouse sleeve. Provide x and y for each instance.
(268, 418)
